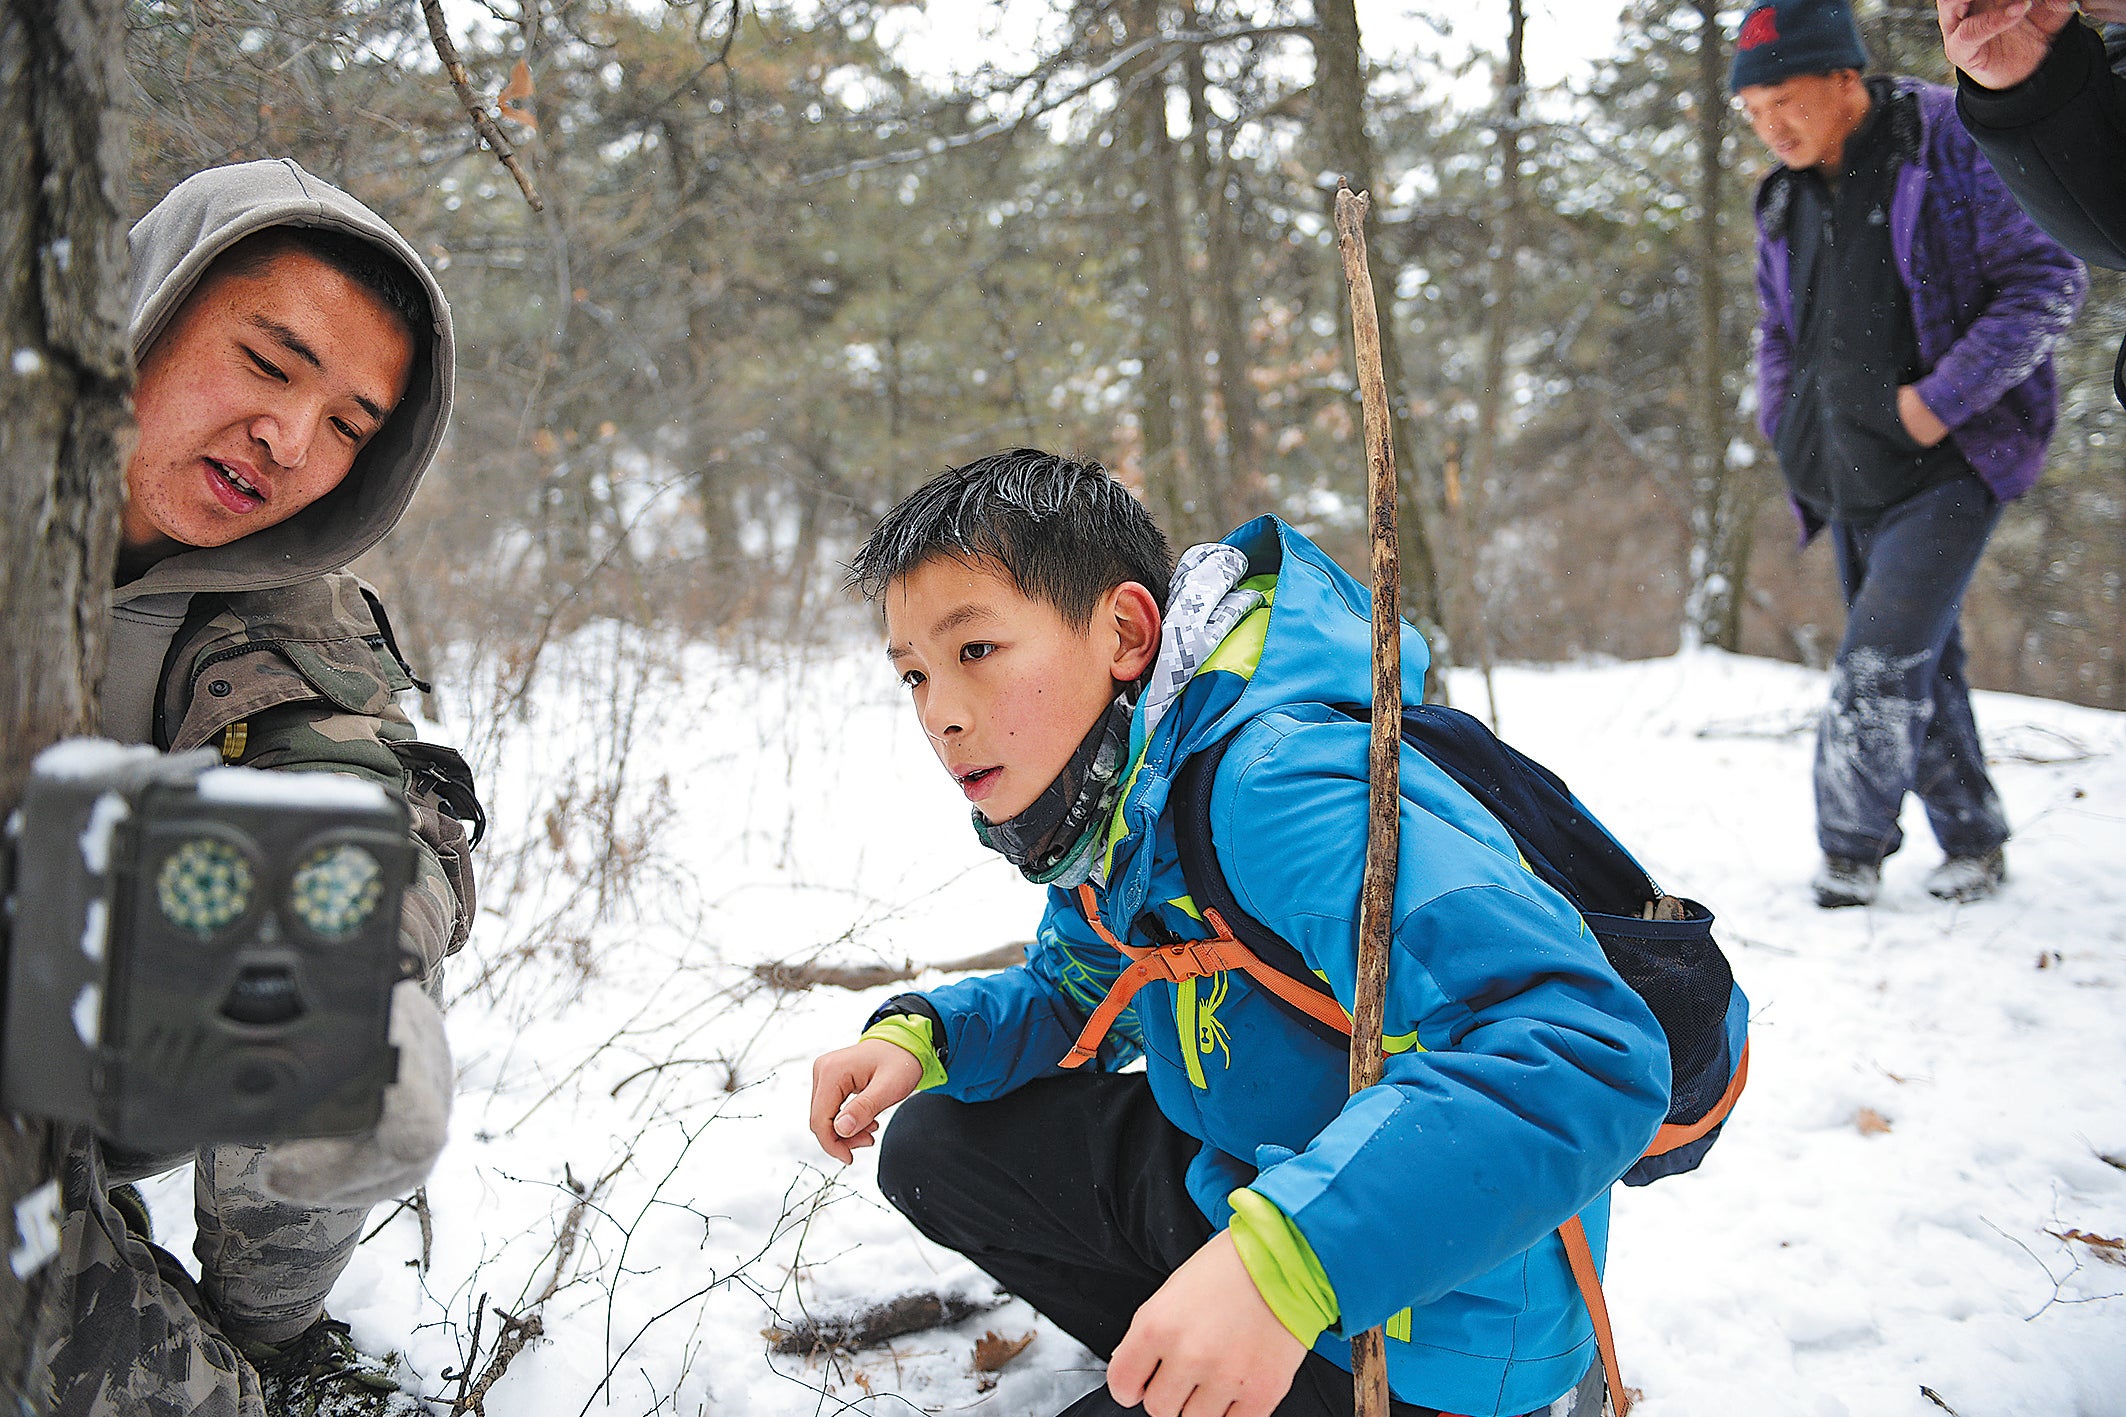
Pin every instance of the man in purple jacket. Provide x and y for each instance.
(1910, 310)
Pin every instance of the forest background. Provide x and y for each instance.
(790, 260)
(787, 269)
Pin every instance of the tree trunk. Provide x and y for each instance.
(572, 504)
(1143, 124)
(1206, 510)
(64, 428)
(1340, 100)
(1463, 504)
(708, 450)
(1240, 470)
(1722, 508)
(1166, 266)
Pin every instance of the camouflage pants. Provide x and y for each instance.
(138, 1338)
(265, 1264)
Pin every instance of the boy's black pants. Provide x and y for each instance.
(1071, 1193)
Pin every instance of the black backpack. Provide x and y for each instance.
(1661, 946)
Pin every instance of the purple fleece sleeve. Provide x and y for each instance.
(2035, 289)
(1775, 350)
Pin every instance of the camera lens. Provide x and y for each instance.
(336, 890)
(264, 995)
(204, 885)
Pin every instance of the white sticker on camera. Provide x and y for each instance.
(37, 1223)
(96, 931)
(104, 818)
(88, 1014)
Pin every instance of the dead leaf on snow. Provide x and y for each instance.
(2107, 1249)
(992, 1350)
(1870, 1122)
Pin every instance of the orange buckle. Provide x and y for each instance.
(1187, 960)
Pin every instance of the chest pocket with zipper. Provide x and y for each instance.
(244, 664)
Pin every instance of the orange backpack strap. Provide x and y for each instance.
(1090, 905)
(1580, 1256)
(1173, 963)
(1312, 1002)
(1188, 959)
(1675, 1134)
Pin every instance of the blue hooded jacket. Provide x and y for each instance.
(1523, 1076)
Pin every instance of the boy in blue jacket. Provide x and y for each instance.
(1219, 1224)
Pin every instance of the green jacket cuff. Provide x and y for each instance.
(1282, 1264)
(912, 1031)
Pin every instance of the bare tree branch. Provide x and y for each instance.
(483, 123)
(1173, 44)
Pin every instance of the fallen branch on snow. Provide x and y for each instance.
(791, 978)
(874, 1324)
(1775, 726)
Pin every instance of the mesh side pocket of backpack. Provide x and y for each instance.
(1678, 969)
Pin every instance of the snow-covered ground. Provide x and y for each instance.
(1937, 1100)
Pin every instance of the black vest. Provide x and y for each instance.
(1842, 445)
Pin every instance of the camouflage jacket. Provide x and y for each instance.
(307, 677)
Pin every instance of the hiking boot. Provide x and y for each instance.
(1963, 879)
(320, 1373)
(1842, 881)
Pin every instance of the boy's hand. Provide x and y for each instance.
(1207, 1342)
(851, 1086)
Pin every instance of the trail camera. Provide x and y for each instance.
(199, 953)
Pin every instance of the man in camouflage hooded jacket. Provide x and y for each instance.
(296, 365)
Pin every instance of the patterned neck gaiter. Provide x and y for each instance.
(1055, 840)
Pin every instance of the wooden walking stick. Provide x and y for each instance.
(1376, 901)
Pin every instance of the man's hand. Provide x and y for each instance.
(2000, 43)
(1207, 1343)
(851, 1086)
(1919, 420)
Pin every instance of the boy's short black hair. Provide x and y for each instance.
(377, 271)
(1062, 529)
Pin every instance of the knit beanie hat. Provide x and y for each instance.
(1783, 39)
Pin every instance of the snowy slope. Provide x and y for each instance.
(790, 811)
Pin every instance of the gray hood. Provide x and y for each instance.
(172, 246)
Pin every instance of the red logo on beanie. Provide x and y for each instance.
(1760, 28)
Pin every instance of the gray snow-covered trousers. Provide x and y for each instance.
(1899, 719)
